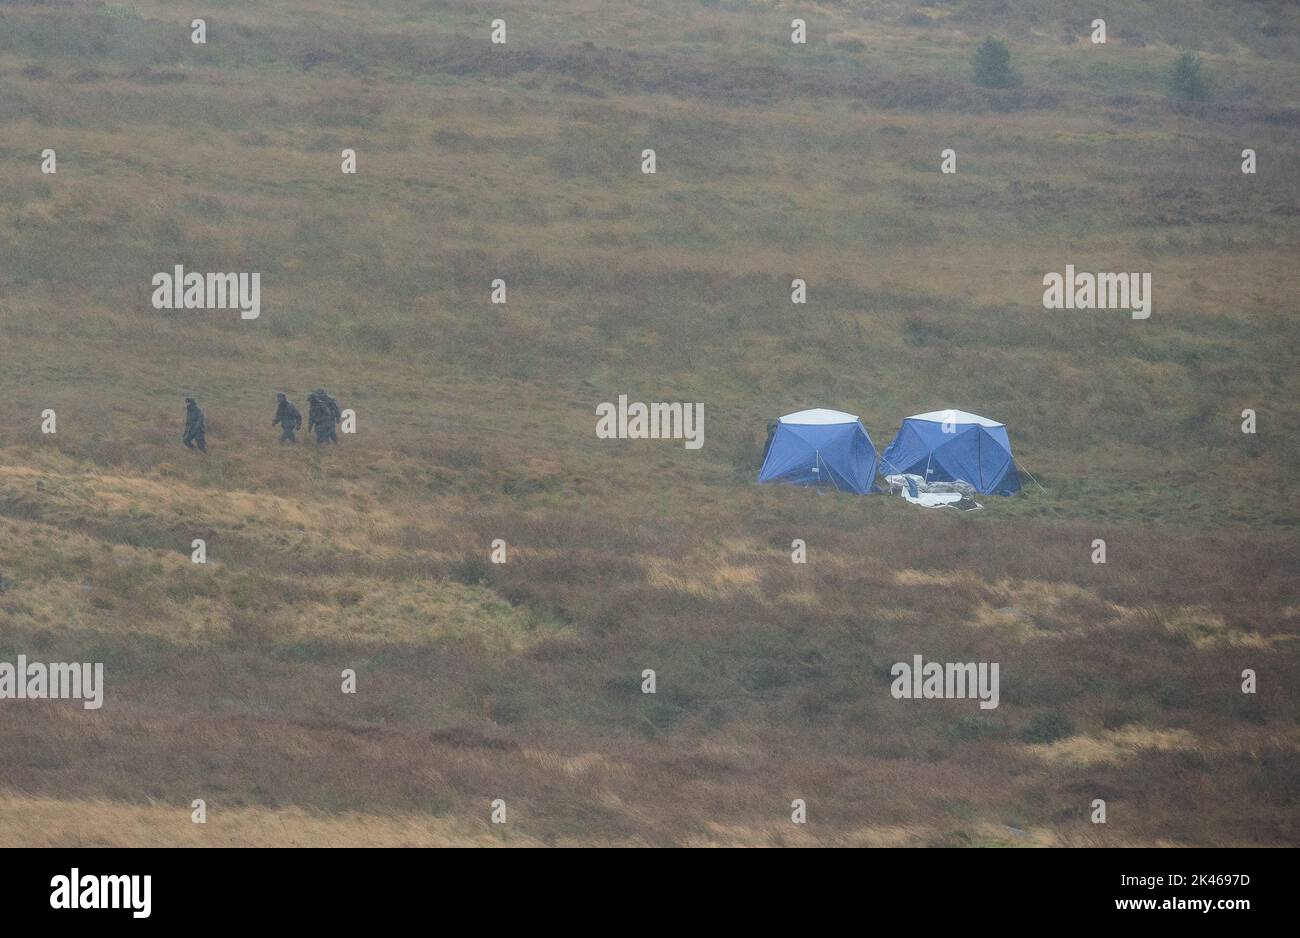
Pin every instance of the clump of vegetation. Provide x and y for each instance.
(471, 570)
(991, 65)
(972, 727)
(1186, 83)
(1048, 726)
(1116, 718)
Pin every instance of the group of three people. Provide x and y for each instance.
(323, 416)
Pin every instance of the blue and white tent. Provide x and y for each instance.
(821, 447)
(952, 445)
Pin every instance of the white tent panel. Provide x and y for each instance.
(818, 416)
(955, 416)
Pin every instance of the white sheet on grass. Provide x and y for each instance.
(933, 499)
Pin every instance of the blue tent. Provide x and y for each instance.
(950, 445)
(821, 447)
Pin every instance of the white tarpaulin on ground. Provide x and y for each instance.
(917, 491)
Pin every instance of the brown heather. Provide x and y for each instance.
(522, 681)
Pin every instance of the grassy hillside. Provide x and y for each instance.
(476, 421)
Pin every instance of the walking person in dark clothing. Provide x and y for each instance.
(319, 417)
(194, 426)
(288, 418)
(323, 416)
(336, 415)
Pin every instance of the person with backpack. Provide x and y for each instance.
(287, 417)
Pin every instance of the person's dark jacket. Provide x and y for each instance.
(287, 415)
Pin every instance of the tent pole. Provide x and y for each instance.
(1031, 476)
(820, 463)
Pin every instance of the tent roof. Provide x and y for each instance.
(955, 416)
(819, 415)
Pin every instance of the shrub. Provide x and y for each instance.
(1186, 83)
(471, 570)
(991, 65)
(971, 727)
(1115, 718)
(1047, 726)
